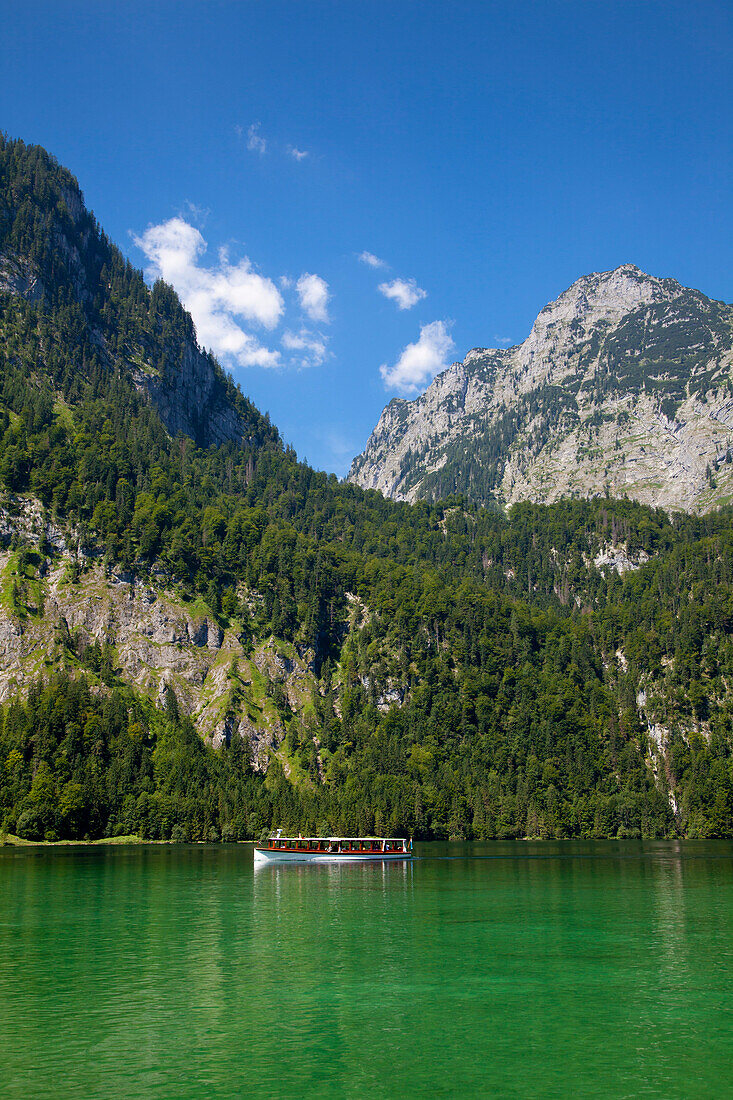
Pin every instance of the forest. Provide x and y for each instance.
(492, 689)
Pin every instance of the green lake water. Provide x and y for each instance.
(518, 970)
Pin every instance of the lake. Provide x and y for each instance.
(507, 969)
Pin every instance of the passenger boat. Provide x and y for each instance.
(331, 849)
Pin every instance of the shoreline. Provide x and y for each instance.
(12, 841)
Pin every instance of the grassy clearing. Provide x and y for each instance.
(63, 414)
(8, 576)
(197, 608)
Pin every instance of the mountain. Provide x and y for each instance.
(622, 388)
(201, 636)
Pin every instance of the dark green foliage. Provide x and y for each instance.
(81, 765)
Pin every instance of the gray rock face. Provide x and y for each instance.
(20, 280)
(623, 386)
(193, 402)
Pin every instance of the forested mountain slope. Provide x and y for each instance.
(104, 320)
(196, 641)
(622, 388)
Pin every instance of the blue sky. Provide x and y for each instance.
(488, 154)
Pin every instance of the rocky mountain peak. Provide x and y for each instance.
(594, 303)
(600, 297)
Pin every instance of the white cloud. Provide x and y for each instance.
(297, 154)
(218, 297)
(313, 294)
(255, 141)
(420, 362)
(405, 292)
(311, 346)
(371, 260)
(502, 341)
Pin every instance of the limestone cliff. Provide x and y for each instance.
(623, 387)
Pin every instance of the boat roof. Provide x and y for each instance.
(282, 836)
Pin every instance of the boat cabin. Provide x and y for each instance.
(335, 844)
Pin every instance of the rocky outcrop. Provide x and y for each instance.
(623, 387)
(193, 401)
(617, 559)
(20, 279)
